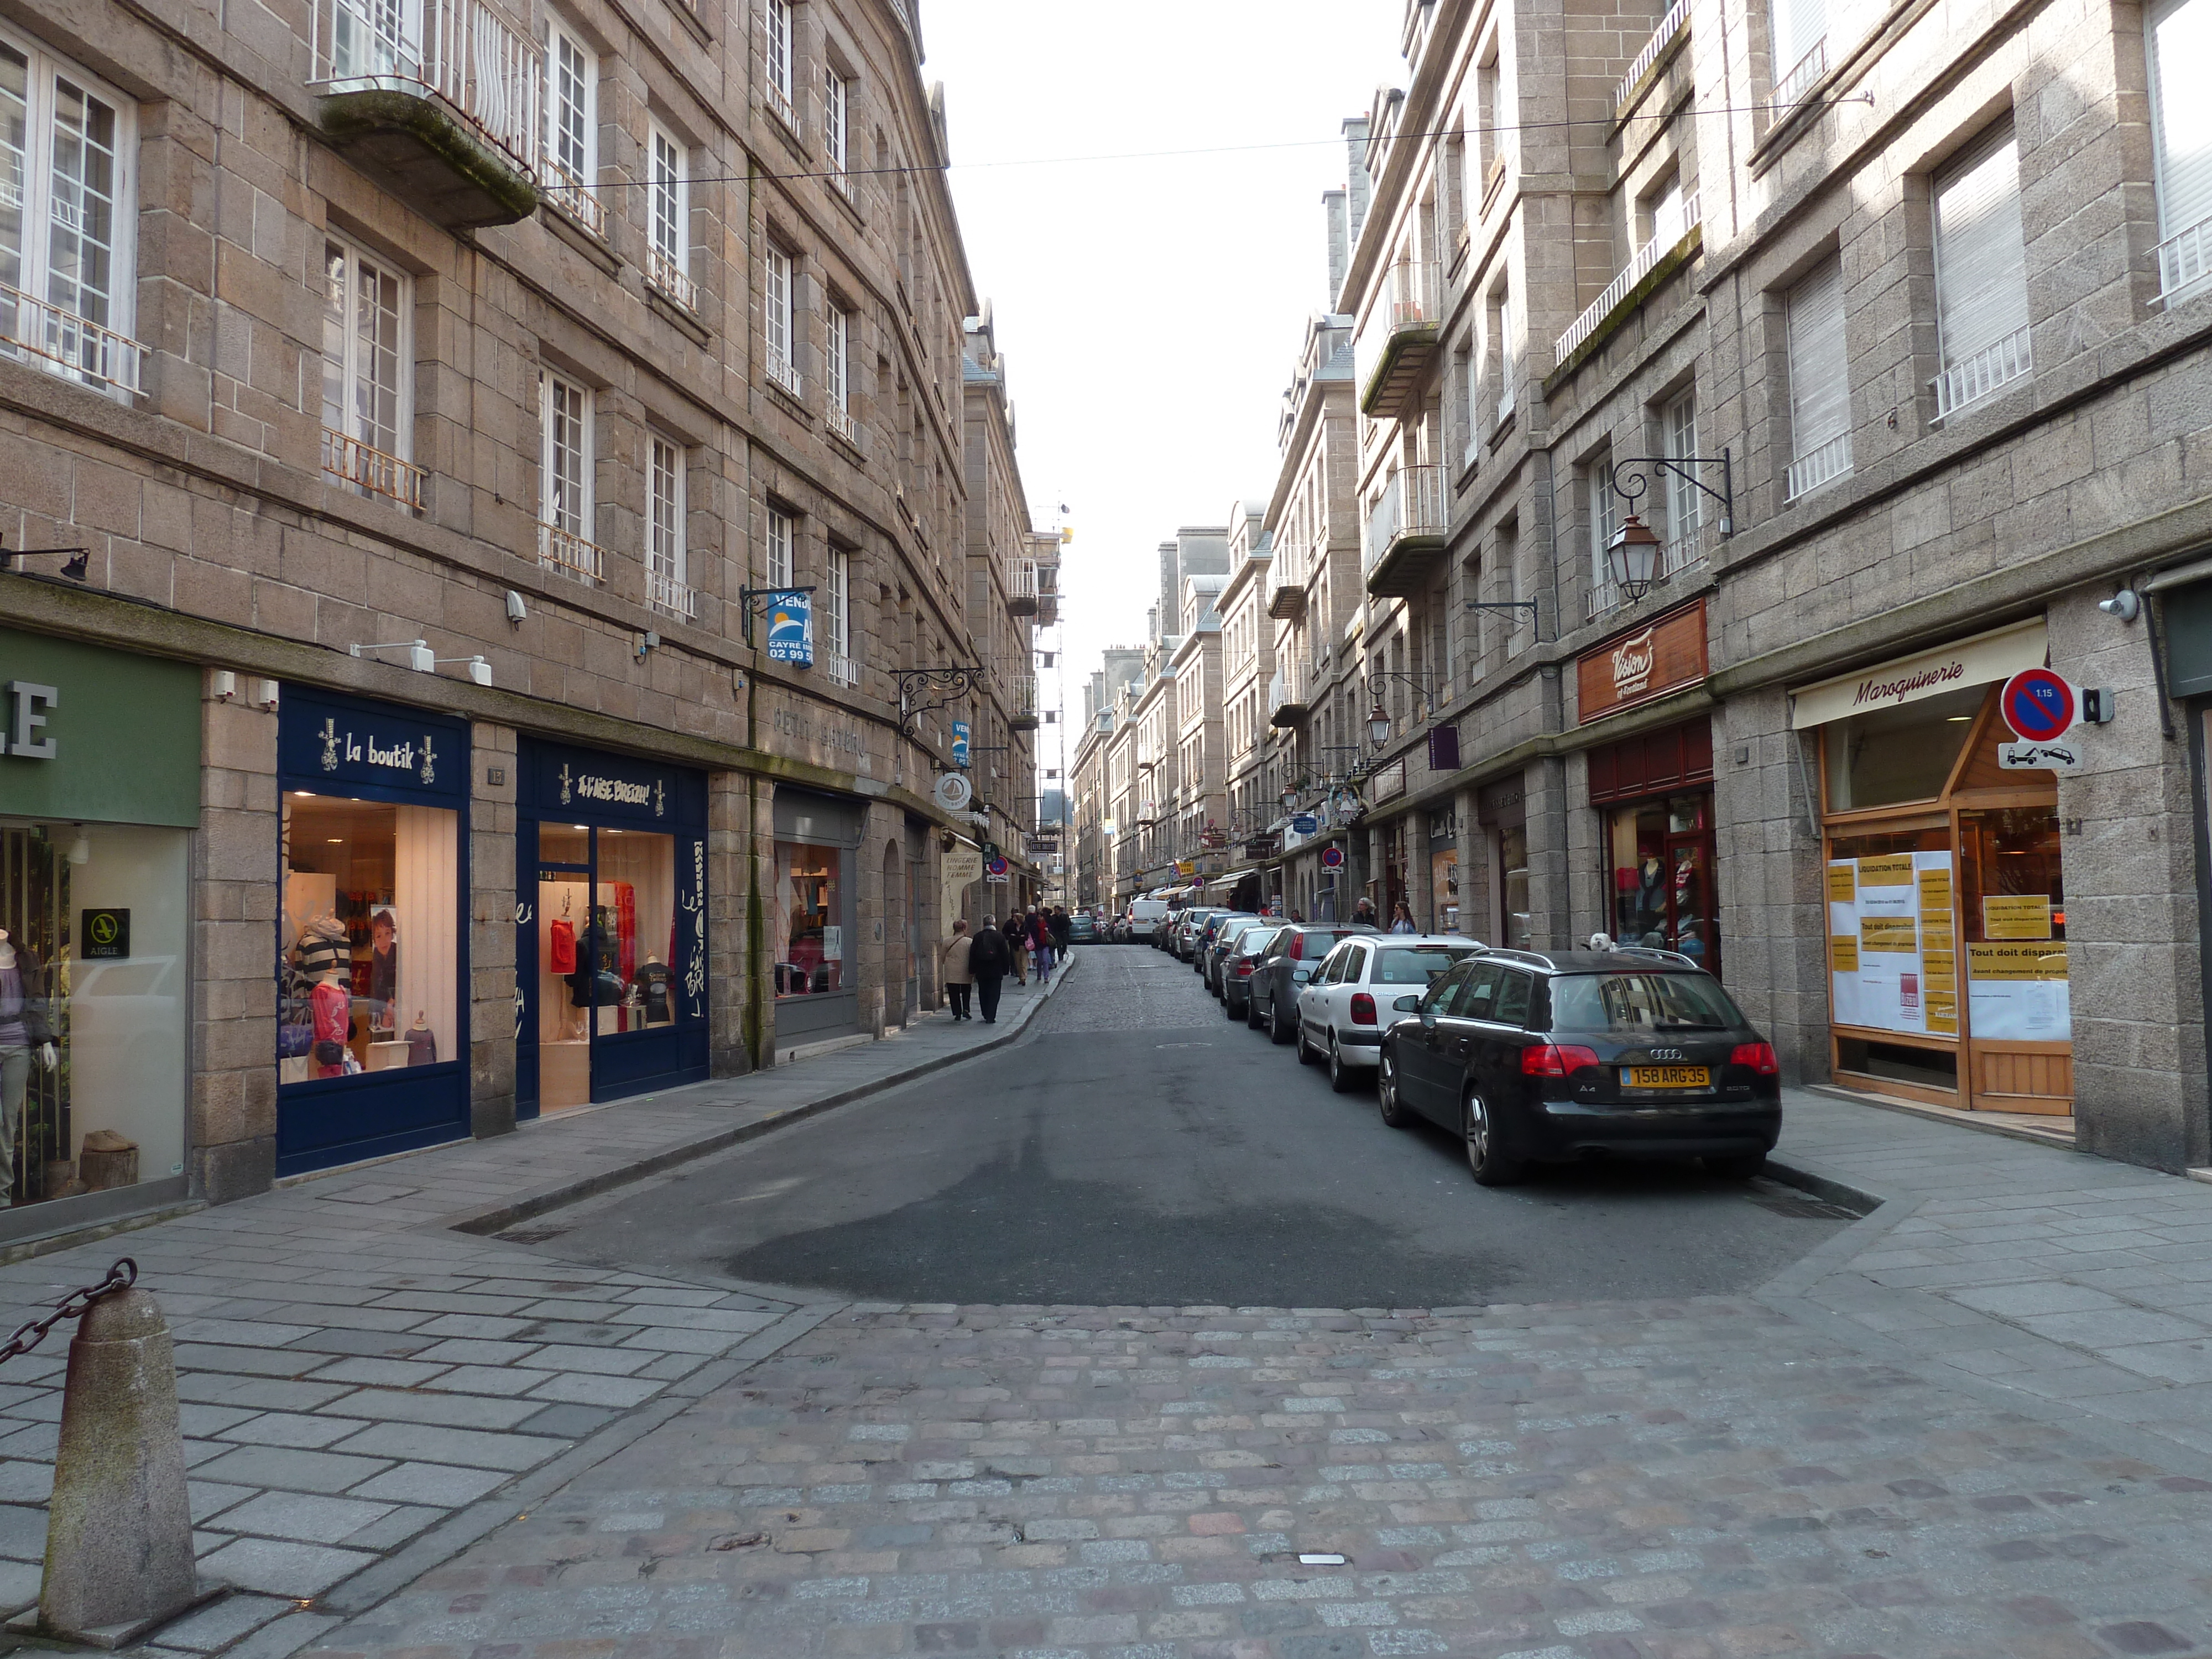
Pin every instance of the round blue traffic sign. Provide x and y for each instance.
(1331, 857)
(2038, 705)
(996, 867)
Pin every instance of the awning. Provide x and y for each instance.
(1232, 879)
(1976, 661)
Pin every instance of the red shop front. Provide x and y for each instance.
(1654, 796)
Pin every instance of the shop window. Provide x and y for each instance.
(2013, 915)
(1662, 857)
(369, 969)
(812, 900)
(607, 943)
(1513, 869)
(1898, 754)
(94, 969)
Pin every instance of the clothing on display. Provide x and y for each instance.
(333, 1023)
(422, 1043)
(322, 949)
(26, 1038)
(651, 986)
(561, 948)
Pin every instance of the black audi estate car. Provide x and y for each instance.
(1534, 1057)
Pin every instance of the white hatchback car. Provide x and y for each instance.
(1351, 996)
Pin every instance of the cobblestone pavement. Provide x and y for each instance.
(365, 1391)
(1606, 1481)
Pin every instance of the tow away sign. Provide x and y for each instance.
(2055, 755)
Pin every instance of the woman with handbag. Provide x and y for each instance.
(953, 956)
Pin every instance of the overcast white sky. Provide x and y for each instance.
(1150, 310)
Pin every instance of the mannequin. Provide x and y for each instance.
(25, 1035)
(332, 1009)
(422, 1042)
(321, 947)
(651, 986)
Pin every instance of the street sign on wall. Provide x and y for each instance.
(2039, 705)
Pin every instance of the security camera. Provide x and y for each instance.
(2124, 604)
(515, 610)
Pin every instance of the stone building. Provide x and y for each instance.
(423, 739)
(1747, 394)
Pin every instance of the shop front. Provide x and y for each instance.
(372, 963)
(99, 755)
(1654, 797)
(1502, 810)
(810, 924)
(611, 927)
(1443, 870)
(1943, 875)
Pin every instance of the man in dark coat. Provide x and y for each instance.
(989, 961)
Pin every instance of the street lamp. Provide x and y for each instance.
(1632, 557)
(1378, 725)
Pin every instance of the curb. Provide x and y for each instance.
(1807, 1179)
(492, 1218)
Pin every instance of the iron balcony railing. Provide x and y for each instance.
(667, 595)
(1799, 82)
(1996, 364)
(572, 195)
(1670, 26)
(2185, 259)
(842, 668)
(459, 53)
(67, 344)
(1024, 585)
(779, 100)
(1830, 461)
(1411, 504)
(783, 372)
(1669, 230)
(567, 554)
(842, 425)
(668, 275)
(350, 461)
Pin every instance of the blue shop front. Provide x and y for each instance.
(372, 943)
(611, 927)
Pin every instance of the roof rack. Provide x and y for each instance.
(1654, 950)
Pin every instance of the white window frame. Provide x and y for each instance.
(837, 371)
(2178, 34)
(1981, 273)
(1604, 515)
(1686, 507)
(836, 127)
(1799, 31)
(357, 450)
(570, 159)
(565, 506)
(42, 310)
(667, 563)
(668, 194)
(1820, 388)
(778, 313)
(837, 612)
(777, 41)
(779, 539)
(1509, 368)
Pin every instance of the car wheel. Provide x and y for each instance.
(1340, 1076)
(1737, 1166)
(1386, 1092)
(1252, 1019)
(1280, 1030)
(1305, 1048)
(1230, 1009)
(1486, 1154)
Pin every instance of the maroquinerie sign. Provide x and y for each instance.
(1968, 662)
(1663, 655)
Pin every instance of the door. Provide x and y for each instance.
(1491, 1056)
(1425, 1072)
(557, 969)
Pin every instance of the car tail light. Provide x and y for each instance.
(1297, 950)
(1363, 1008)
(1555, 1058)
(1757, 1056)
(1244, 967)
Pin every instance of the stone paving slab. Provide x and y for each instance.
(365, 1390)
(1684, 1480)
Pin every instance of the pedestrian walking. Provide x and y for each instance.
(1063, 931)
(1037, 930)
(989, 961)
(1363, 914)
(1017, 950)
(959, 982)
(1401, 919)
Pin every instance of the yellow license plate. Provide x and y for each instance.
(1670, 1077)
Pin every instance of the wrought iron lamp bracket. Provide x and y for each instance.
(1631, 476)
(925, 691)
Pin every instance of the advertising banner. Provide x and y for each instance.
(1892, 951)
(791, 627)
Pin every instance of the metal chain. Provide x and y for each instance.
(28, 1335)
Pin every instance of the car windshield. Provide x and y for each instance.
(1416, 965)
(1632, 1003)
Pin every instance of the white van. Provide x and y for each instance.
(1143, 916)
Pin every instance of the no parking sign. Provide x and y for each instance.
(1331, 857)
(2039, 705)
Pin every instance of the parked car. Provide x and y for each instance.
(1225, 944)
(1081, 929)
(1201, 951)
(1530, 1056)
(1184, 939)
(1161, 937)
(1272, 1005)
(1344, 1006)
(1240, 961)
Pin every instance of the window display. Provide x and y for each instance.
(95, 1067)
(366, 935)
(1661, 856)
(605, 942)
(1513, 865)
(810, 932)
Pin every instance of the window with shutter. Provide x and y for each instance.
(2179, 39)
(1800, 48)
(1820, 391)
(1981, 276)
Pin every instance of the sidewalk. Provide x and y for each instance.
(367, 1386)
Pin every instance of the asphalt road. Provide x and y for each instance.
(1137, 1148)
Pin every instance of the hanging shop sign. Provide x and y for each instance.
(1443, 749)
(1305, 824)
(1995, 655)
(1390, 780)
(1666, 654)
(960, 744)
(791, 627)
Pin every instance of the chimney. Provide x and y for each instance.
(1355, 146)
(1340, 241)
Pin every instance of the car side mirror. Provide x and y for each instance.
(1406, 1005)
(1300, 975)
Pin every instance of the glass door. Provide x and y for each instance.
(570, 953)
